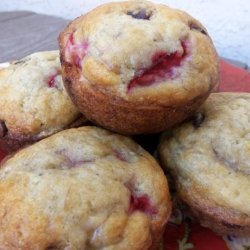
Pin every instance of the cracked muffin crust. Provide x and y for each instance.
(209, 158)
(33, 101)
(137, 67)
(83, 188)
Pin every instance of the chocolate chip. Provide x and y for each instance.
(3, 129)
(198, 119)
(194, 26)
(141, 14)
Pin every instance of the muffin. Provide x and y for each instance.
(83, 188)
(33, 101)
(209, 158)
(137, 67)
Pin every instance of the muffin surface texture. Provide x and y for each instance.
(33, 101)
(137, 67)
(209, 158)
(83, 188)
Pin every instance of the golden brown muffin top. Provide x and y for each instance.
(211, 154)
(82, 188)
(33, 100)
(142, 51)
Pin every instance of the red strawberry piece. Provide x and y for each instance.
(76, 50)
(72, 162)
(120, 155)
(141, 203)
(51, 82)
(162, 68)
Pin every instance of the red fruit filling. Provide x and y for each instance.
(120, 155)
(71, 162)
(162, 68)
(51, 82)
(76, 51)
(141, 203)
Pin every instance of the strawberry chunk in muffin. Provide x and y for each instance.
(137, 67)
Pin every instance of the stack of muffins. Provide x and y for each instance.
(127, 69)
